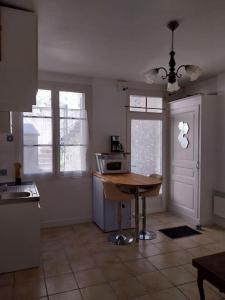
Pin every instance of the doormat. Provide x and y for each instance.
(179, 232)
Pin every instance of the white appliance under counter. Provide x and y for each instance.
(20, 229)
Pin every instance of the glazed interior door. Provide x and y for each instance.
(146, 147)
(184, 141)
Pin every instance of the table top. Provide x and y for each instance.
(212, 264)
(129, 179)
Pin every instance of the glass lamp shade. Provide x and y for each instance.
(151, 76)
(193, 72)
(173, 87)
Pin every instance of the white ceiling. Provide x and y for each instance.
(124, 38)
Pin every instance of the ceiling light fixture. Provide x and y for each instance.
(192, 71)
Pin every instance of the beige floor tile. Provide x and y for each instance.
(89, 277)
(215, 248)
(212, 287)
(98, 292)
(154, 281)
(6, 293)
(172, 259)
(72, 295)
(178, 275)
(61, 283)
(106, 258)
(168, 246)
(149, 250)
(82, 263)
(190, 268)
(202, 239)
(160, 238)
(29, 274)
(30, 290)
(116, 272)
(191, 292)
(6, 279)
(126, 254)
(140, 266)
(199, 251)
(128, 288)
(145, 297)
(54, 268)
(169, 294)
(186, 243)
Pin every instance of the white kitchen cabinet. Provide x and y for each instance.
(193, 156)
(18, 64)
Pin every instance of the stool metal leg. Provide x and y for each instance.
(144, 234)
(118, 238)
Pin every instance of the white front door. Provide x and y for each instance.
(184, 158)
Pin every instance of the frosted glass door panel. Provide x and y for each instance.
(146, 146)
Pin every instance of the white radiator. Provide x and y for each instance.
(219, 204)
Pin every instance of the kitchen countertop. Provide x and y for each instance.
(11, 187)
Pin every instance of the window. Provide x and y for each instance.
(73, 131)
(37, 135)
(146, 104)
(55, 133)
(146, 146)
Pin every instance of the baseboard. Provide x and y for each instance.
(64, 222)
(178, 211)
(219, 221)
(155, 210)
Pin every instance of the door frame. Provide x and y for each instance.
(152, 116)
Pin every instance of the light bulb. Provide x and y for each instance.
(173, 87)
(151, 76)
(193, 72)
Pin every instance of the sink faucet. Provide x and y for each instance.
(3, 187)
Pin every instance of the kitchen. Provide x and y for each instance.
(67, 200)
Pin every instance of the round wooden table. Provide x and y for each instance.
(134, 182)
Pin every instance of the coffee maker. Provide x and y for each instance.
(116, 146)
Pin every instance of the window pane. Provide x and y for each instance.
(71, 101)
(43, 104)
(37, 131)
(146, 146)
(37, 159)
(138, 101)
(73, 131)
(72, 158)
(155, 103)
(73, 113)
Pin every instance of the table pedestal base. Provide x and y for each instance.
(120, 239)
(147, 235)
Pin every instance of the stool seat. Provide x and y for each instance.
(112, 192)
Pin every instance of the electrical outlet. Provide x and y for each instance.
(3, 172)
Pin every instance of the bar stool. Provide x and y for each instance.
(151, 192)
(111, 192)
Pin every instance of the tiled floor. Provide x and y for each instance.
(79, 264)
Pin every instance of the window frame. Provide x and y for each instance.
(55, 88)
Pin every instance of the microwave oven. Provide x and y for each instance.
(113, 163)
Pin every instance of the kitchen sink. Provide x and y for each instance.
(14, 195)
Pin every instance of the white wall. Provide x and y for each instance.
(69, 200)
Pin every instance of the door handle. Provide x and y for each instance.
(198, 165)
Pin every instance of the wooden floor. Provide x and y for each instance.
(78, 263)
